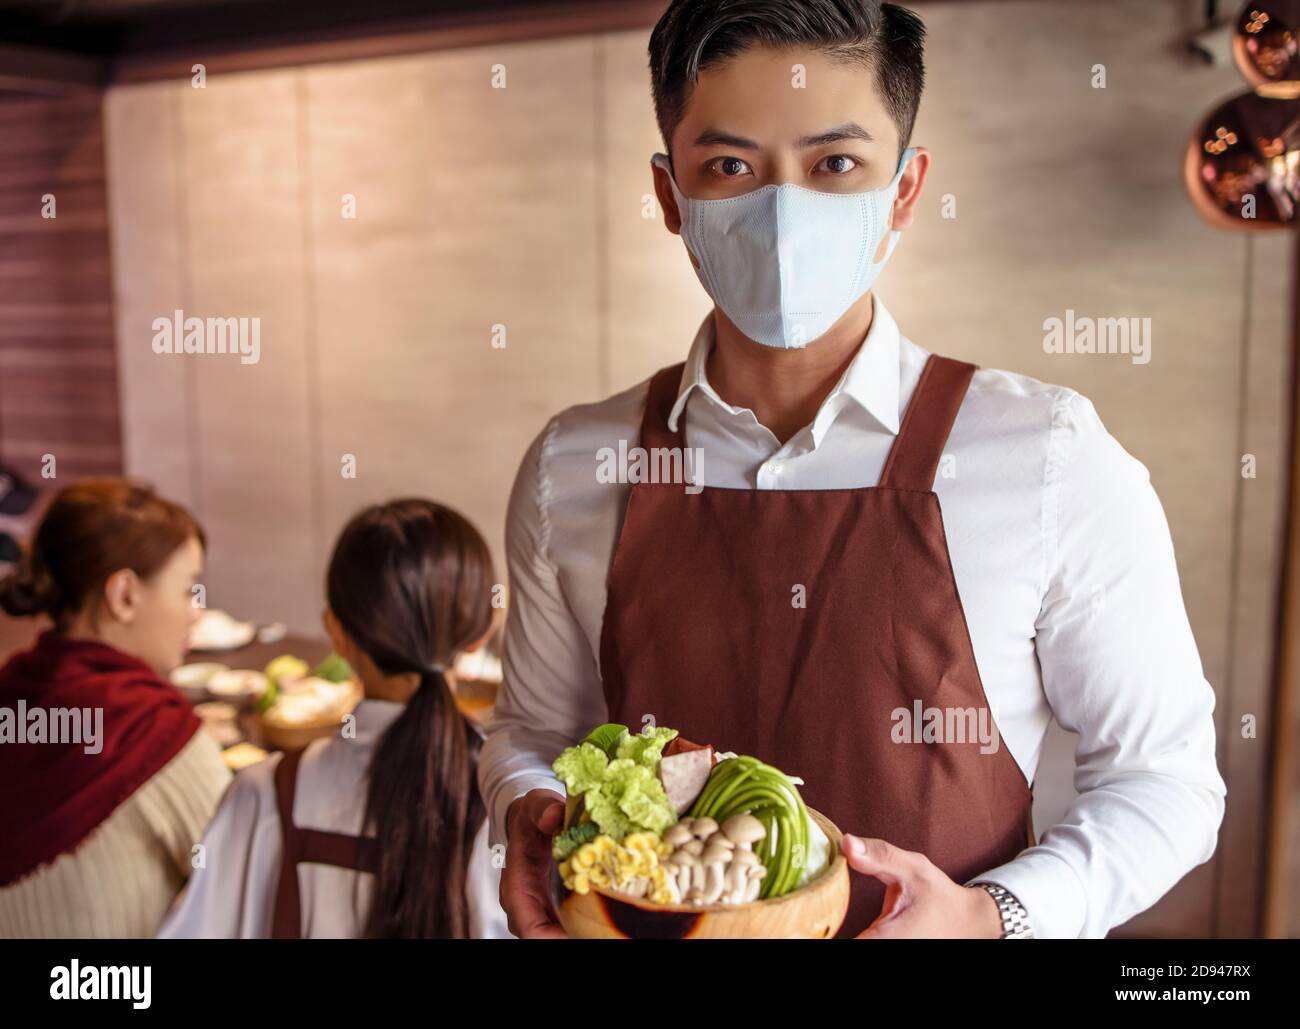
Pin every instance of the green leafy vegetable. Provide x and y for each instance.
(623, 795)
(572, 838)
(606, 737)
(268, 696)
(333, 668)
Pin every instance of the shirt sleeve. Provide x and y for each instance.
(551, 693)
(1121, 669)
(180, 799)
(487, 919)
(231, 894)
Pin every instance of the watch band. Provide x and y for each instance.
(1015, 919)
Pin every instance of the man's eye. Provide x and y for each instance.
(840, 164)
(730, 167)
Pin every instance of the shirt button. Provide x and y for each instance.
(775, 467)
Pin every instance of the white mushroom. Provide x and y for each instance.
(713, 884)
(704, 827)
(744, 828)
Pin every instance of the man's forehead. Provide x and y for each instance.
(794, 87)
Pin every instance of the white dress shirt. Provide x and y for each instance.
(233, 895)
(1065, 568)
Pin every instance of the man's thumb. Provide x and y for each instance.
(871, 856)
(552, 816)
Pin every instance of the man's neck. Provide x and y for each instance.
(784, 388)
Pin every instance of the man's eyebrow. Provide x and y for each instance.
(849, 130)
(716, 137)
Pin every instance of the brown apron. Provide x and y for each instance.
(310, 845)
(794, 625)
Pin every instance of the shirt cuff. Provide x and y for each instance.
(1050, 891)
(509, 791)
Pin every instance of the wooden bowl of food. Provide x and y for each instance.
(306, 710)
(813, 911)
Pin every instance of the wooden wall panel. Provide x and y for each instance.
(58, 371)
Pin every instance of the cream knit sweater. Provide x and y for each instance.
(122, 878)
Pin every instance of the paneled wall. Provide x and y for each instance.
(58, 380)
(522, 210)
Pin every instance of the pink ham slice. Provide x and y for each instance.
(684, 775)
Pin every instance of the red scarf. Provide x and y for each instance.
(54, 795)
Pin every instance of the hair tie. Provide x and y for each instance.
(435, 669)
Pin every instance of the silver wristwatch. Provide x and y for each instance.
(1015, 919)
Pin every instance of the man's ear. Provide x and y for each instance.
(664, 191)
(909, 189)
(122, 595)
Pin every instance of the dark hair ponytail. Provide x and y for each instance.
(410, 582)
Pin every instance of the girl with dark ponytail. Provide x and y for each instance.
(395, 810)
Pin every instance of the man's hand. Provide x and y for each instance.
(921, 902)
(531, 821)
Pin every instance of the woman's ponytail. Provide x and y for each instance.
(410, 582)
(422, 799)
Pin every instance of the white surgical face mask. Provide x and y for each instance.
(784, 262)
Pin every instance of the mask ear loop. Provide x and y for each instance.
(903, 161)
(908, 154)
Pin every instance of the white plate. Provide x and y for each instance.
(216, 630)
(234, 683)
(195, 676)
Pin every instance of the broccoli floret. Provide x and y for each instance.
(572, 838)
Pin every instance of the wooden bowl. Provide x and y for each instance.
(813, 912)
(298, 735)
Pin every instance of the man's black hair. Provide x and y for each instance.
(694, 35)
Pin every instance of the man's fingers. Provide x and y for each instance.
(878, 858)
(525, 881)
(526, 899)
(551, 818)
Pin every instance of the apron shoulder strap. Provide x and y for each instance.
(658, 405)
(314, 846)
(286, 923)
(914, 458)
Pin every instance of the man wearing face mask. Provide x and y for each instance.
(881, 529)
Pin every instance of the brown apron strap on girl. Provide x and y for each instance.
(314, 846)
(287, 921)
(914, 458)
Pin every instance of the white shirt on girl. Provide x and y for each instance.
(233, 894)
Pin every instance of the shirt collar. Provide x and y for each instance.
(871, 379)
(375, 716)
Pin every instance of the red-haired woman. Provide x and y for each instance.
(106, 782)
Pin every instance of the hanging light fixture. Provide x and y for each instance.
(1266, 46)
(1242, 166)
(1243, 163)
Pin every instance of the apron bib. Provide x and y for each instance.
(810, 628)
